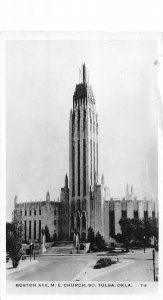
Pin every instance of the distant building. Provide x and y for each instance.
(86, 202)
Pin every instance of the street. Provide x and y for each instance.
(134, 267)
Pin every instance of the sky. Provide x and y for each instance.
(40, 81)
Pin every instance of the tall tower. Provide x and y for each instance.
(83, 158)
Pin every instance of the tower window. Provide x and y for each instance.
(96, 128)
(35, 212)
(84, 120)
(40, 212)
(97, 159)
(30, 212)
(78, 167)
(25, 212)
(84, 167)
(90, 124)
(73, 169)
(91, 160)
(78, 120)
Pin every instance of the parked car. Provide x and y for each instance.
(119, 250)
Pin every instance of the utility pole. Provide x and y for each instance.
(154, 267)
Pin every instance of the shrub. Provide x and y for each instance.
(97, 266)
(104, 262)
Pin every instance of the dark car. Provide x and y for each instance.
(119, 250)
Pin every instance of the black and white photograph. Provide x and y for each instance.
(82, 201)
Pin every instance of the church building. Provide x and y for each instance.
(84, 202)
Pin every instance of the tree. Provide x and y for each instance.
(54, 237)
(150, 228)
(99, 242)
(14, 238)
(47, 234)
(91, 237)
(136, 229)
(128, 232)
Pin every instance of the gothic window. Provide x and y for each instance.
(72, 222)
(78, 204)
(73, 205)
(124, 214)
(94, 155)
(90, 124)
(83, 237)
(97, 158)
(29, 230)
(91, 200)
(78, 120)
(78, 221)
(91, 160)
(34, 229)
(25, 230)
(84, 120)
(84, 167)
(78, 167)
(73, 169)
(145, 214)
(83, 221)
(39, 229)
(135, 214)
(84, 204)
(96, 128)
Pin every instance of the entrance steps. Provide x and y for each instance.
(60, 247)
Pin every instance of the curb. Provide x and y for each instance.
(19, 268)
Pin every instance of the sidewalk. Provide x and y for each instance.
(23, 264)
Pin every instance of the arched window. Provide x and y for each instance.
(78, 221)
(83, 221)
(83, 236)
(72, 221)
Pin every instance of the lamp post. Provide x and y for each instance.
(144, 243)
